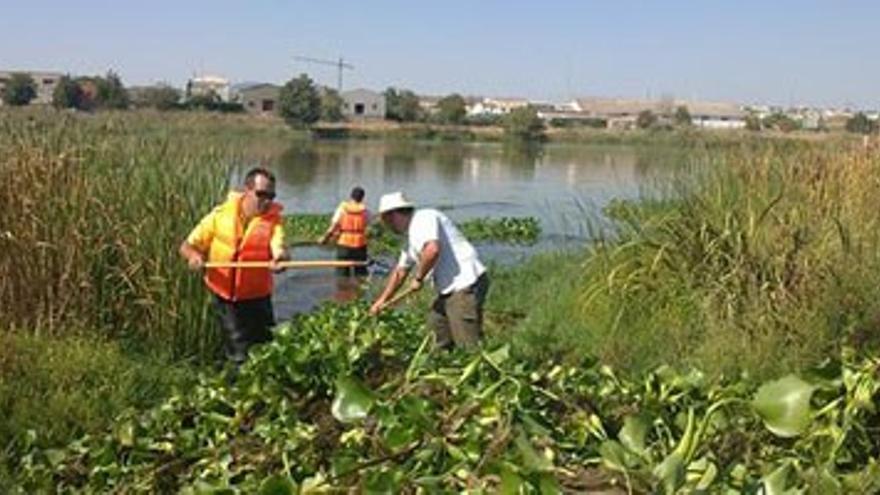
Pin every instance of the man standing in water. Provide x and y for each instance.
(437, 248)
(247, 227)
(349, 226)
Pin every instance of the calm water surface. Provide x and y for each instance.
(565, 186)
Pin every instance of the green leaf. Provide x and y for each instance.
(827, 375)
(614, 455)
(776, 483)
(277, 485)
(826, 484)
(125, 434)
(511, 483)
(353, 400)
(634, 432)
(499, 355)
(784, 405)
(710, 473)
(548, 485)
(55, 456)
(671, 472)
(532, 460)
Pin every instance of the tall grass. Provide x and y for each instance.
(766, 258)
(92, 209)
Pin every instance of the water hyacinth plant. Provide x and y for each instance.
(308, 227)
(342, 400)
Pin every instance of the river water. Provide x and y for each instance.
(564, 185)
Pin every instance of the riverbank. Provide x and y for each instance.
(761, 259)
(584, 135)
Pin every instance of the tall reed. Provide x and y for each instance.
(765, 258)
(92, 210)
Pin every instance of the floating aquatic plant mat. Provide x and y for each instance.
(341, 400)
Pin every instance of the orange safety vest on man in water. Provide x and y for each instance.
(352, 225)
(222, 235)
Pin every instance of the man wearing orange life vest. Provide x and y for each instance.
(349, 226)
(246, 227)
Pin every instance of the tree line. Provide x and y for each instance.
(303, 103)
(107, 92)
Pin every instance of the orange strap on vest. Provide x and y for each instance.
(230, 244)
(353, 225)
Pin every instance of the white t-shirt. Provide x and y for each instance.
(458, 266)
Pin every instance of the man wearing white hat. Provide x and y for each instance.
(437, 248)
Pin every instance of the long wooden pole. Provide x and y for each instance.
(286, 264)
(399, 297)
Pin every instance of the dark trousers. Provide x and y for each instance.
(244, 324)
(352, 254)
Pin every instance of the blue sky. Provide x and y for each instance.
(782, 52)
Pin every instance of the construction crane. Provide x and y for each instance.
(339, 64)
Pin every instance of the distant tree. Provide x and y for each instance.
(781, 122)
(484, 119)
(861, 124)
(205, 101)
(68, 94)
(161, 97)
(402, 105)
(753, 122)
(451, 109)
(212, 102)
(331, 105)
(646, 119)
(298, 102)
(523, 124)
(111, 92)
(89, 92)
(392, 104)
(682, 116)
(20, 89)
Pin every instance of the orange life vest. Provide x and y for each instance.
(231, 244)
(353, 225)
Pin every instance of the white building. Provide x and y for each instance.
(715, 115)
(207, 84)
(495, 106)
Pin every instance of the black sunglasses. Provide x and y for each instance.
(270, 195)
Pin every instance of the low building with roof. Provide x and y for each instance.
(363, 104)
(258, 98)
(622, 112)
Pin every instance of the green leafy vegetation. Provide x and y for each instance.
(451, 109)
(861, 124)
(765, 259)
(19, 90)
(523, 124)
(331, 105)
(760, 267)
(342, 400)
(402, 105)
(63, 387)
(308, 227)
(299, 102)
(91, 209)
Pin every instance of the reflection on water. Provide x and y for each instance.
(301, 290)
(564, 185)
(550, 182)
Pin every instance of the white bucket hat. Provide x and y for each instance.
(394, 201)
